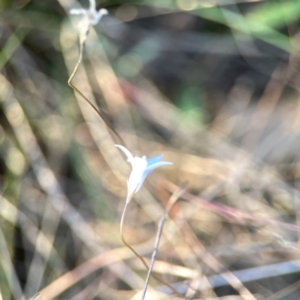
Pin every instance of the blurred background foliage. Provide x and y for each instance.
(214, 86)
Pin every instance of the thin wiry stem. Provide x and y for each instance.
(157, 240)
(81, 45)
(162, 221)
(136, 254)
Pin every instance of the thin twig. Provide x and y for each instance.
(162, 221)
(136, 254)
(81, 46)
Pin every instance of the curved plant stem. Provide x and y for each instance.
(162, 221)
(81, 45)
(136, 254)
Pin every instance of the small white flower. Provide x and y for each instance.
(141, 168)
(90, 16)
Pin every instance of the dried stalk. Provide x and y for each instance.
(81, 46)
(137, 255)
(162, 221)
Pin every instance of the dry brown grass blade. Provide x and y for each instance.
(70, 278)
(267, 102)
(285, 292)
(7, 265)
(230, 213)
(90, 291)
(44, 174)
(199, 249)
(13, 215)
(49, 225)
(67, 280)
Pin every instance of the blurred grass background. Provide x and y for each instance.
(214, 86)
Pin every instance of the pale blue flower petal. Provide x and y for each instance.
(150, 168)
(156, 165)
(141, 168)
(154, 159)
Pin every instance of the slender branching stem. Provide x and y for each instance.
(154, 253)
(162, 221)
(136, 254)
(123, 239)
(81, 45)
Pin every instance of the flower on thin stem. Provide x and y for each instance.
(90, 17)
(141, 168)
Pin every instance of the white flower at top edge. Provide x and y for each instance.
(90, 16)
(141, 168)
